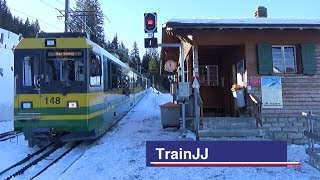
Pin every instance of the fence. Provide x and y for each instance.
(313, 137)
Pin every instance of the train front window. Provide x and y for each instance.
(64, 66)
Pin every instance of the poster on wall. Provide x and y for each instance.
(271, 89)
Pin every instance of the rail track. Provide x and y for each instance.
(47, 155)
(9, 135)
(22, 168)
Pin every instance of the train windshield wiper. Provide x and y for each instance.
(66, 88)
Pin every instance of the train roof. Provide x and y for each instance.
(96, 47)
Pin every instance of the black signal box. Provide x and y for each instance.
(150, 42)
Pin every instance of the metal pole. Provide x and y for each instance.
(85, 24)
(153, 83)
(196, 91)
(183, 104)
(196, 108)
(66, 20)
(182, 80)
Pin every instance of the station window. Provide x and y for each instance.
(284, 59)
(208, 75)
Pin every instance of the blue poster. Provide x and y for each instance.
(271, 89)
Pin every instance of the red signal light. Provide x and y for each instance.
(150, 22)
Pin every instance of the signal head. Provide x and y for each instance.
(150, 22)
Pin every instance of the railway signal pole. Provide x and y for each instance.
(150, 27)
(66, 16)
(68, 12)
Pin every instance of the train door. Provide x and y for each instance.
(28, 78)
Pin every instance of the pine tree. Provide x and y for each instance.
(145, 62)
(94, 20)
(123, 53)
(115, 43)
(20, 26)
(135, 60)
(5, 16)
(36, 26)
(154, 66)
(26, 31)
(15, 24)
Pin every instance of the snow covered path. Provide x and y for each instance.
(120, 154)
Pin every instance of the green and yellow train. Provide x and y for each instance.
(68, 88)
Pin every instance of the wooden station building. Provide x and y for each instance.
(252, 53)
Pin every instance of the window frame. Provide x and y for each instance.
(98, 82)
(115, 75)
(209, 76)
(283, 59)
(27, 65)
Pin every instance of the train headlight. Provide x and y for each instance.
(26, 105)
(73, 104)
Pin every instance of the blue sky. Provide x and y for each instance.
(126, 16)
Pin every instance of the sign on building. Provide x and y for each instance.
(184, 89)
(271, 89)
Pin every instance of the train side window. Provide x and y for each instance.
(27, 71)
(119, 76)
(79, 68)
(114, 77)
(105, 74)
(30, 69)
(95, 70)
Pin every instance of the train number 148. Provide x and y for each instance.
(52, 100)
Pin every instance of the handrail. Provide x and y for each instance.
(200, 120)
(197, 117)
(15, 85)
(312, 151)
(257, 104)
(200, 104)
(255, 99)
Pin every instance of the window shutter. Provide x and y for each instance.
(265, 58)
(308, 59)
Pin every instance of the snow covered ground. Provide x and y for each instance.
(120, 153)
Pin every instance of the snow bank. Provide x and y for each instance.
(6, 117)
(8, 41)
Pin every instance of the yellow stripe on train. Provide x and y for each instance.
(50, 100)
(39, 43)
(84, 99)
(73, 117)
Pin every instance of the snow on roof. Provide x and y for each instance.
(245, 23)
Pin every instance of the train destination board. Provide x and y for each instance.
(64, 54)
